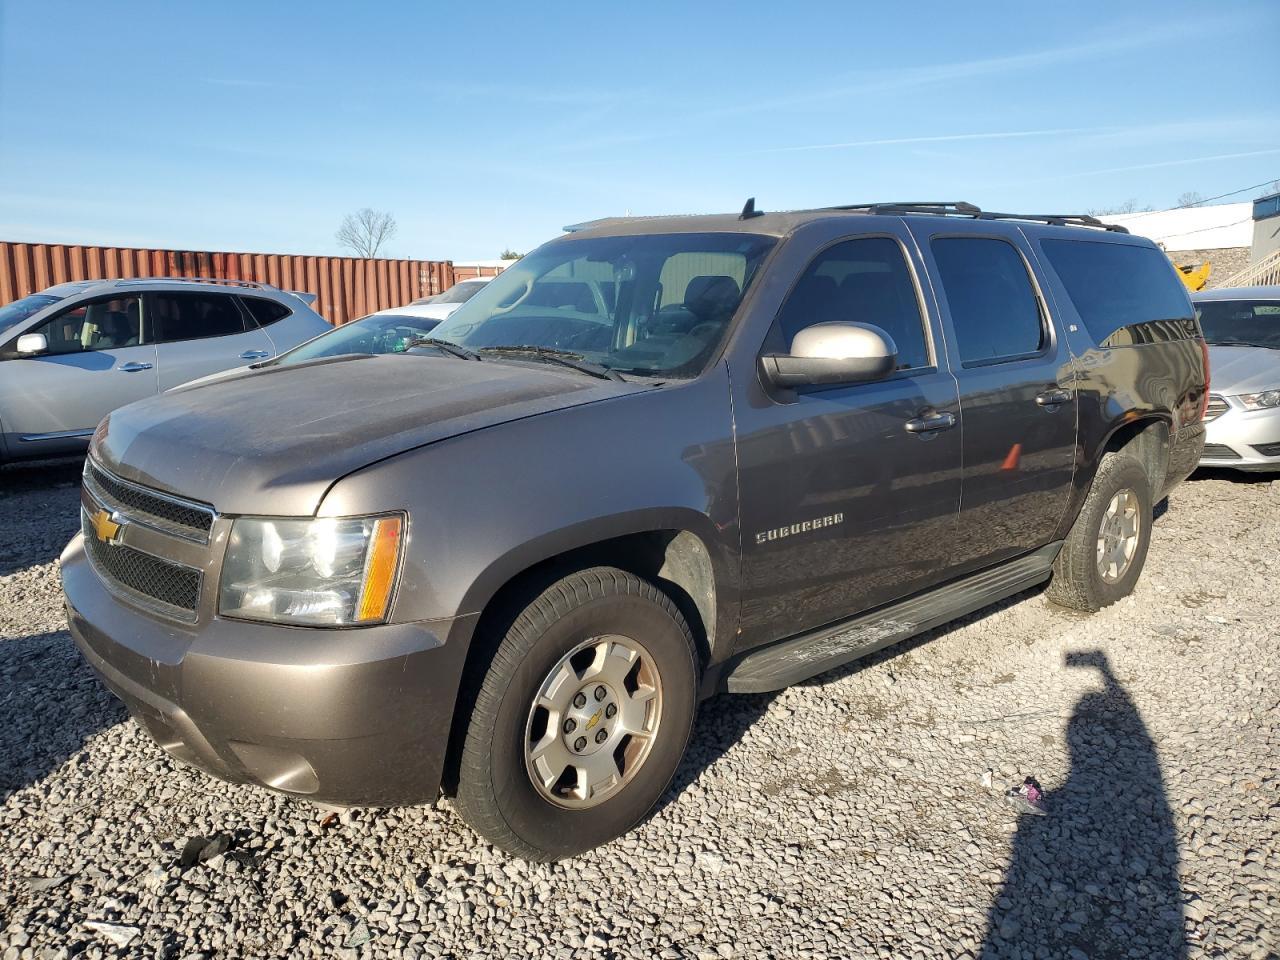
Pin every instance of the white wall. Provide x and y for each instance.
(1192, 228)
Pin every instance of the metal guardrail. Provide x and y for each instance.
(1263, 273)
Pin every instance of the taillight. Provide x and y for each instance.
(1204, 397)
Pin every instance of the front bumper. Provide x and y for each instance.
(1243, 439)
(354, 717)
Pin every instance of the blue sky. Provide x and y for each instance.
(256, 126)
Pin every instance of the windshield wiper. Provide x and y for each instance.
(444, 346)
(565, 358)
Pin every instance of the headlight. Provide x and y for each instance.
(1260, 401)
(325, 572)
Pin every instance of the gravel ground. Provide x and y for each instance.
(845, 817)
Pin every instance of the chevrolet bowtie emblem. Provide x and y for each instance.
(106, 528)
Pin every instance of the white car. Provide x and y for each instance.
(71, 354)
(442, 304)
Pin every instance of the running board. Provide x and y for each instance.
(790, 661)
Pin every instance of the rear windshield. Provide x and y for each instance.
(460, 292)
(1240, 323)
(18, 310)
(1115, 285)
(653, 305)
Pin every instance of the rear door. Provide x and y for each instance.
(100, 357)
(1015, 379)
(202, 333)
(285, 327)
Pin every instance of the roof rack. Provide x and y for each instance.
(252, 284)
(961, 208)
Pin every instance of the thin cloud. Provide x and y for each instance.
(966, 69)
(945, 138)
(852, 86)
(249, 82)
(1170, 163)
(576, 97)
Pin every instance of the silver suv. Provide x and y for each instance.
(71, 354)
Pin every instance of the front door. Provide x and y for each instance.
(846, 503)
(203, 333)
(1015, 377)
(99, 357)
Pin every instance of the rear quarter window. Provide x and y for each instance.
(265, 312)
(1123, 293)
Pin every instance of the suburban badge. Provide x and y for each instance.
(806, 526)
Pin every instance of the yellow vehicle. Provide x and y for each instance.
(1195, 276)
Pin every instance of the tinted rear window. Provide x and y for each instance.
(193, 316)
(993, 306)
(1114, 285)
(265, 311)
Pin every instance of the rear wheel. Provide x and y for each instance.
(1103, 556)
(582, 717)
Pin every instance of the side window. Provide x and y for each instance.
(1117, 285)
(265, 312)
(193, 316)
(994, 310)
(101, 325)
(860, 281)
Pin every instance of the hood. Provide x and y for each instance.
(273, 441)
(1236, 370)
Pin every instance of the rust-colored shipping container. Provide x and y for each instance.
(345, 287)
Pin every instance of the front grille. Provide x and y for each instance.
(169, 588)
(1268, 449)
(1219, 451)
(171, 515)
(1217, 407)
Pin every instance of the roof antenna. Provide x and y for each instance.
(749, 210)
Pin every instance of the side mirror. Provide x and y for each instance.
(833, 353)
(32, 343)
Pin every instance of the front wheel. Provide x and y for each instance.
(1103, 555)
(582, 717)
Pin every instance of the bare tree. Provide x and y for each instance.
(1190, 199)
(365, 231)
(1129, 206)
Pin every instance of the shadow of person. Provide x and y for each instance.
(1096, 877)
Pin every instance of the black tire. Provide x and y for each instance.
(1077, 582)
(496, 795)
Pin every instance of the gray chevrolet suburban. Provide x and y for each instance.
(655, 459)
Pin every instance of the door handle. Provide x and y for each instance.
(254, 354)
(931, 423)
(135, 367)
(1051, 398)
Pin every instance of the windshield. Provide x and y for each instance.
(377, 333)
(460, 292)
(655, 305)
(1254, 323)
(11, 313)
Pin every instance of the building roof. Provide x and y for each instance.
(1193, 228)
